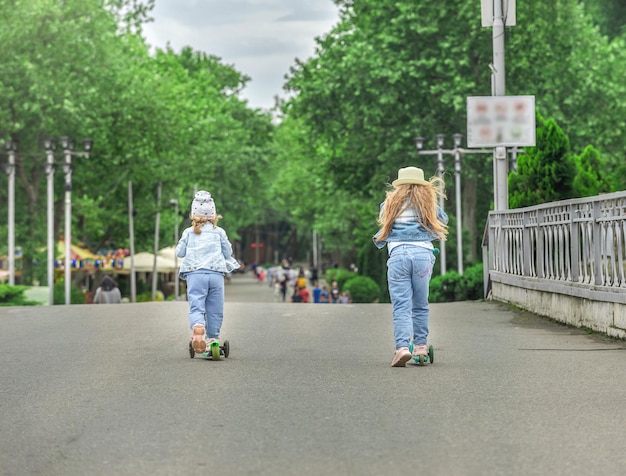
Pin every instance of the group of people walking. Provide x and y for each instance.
(292, 285)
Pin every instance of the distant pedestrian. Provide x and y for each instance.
(207, 257)
(317, 292)
(324, 295)
(334, 292)
(410, 221)
(107, 292)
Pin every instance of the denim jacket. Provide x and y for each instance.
(210, 250)
(406, 227)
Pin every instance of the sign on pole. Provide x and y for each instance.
(506, 121)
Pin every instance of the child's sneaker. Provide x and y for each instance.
(211, 341)
(401, 357)
(420, 349)
(197, 339)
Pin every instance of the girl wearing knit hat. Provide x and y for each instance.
(410, 220)
(207, 257)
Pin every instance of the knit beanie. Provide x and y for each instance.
(203, 205)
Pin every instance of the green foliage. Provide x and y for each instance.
(472, 284)
(455, 287)
(372, 262)
(14, 296)
(76, 295)
(592, 176)
(544, 173)
(362, 289)
(341, 275)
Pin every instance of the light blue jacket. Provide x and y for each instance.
(407, 228)
(210, 250)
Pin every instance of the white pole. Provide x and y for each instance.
(315, 256)
(131, 235)
(176, 280)
(156, 242)
(68, 223)
(11, 172)
(459, 227)
(50, 214)
(442, 243)
(501, 201)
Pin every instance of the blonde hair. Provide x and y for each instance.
(199, 222)
(422, 199)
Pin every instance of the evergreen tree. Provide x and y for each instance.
(545, 172)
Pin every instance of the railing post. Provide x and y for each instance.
(596, 239)
(541, 270)
(526, 245)
(574, 243)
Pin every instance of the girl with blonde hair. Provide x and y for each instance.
(410, 221)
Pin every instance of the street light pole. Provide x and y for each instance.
(457, 186)
(11, 147)
(67, 144)
(174, 202)
(49, 146)
(501, 198)
(440, 171)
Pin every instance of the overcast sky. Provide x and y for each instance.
(260, 38)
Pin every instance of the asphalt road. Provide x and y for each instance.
(306, 390)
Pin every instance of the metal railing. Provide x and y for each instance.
(580, 242)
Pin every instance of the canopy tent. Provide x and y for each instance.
(144, 263)
(168, 253)
(82, 258)
(76, 252)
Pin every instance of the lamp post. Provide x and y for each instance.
(457, 186)
(174, 203)
(67, 144)
(11, 148)
(457, 152)
(49, 145)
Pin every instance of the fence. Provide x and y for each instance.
(564, 259)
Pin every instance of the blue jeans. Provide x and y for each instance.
(409, 269)
(205, 293)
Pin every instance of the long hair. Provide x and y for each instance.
(422, 199)
(199, 222)
(108, 283)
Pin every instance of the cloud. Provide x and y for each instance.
(261, 38)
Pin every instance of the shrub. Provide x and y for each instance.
(472, 283)
(341, 275)
(76, 295)
(443, 288)
(14, 296)
(362, 289)
(455, 287)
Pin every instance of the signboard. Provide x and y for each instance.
(506, 121)
(508, 11)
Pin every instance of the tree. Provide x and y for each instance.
(544, 173)
(592, 175)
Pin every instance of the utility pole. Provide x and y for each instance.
(500, 162)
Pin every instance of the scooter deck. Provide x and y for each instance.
(423, 359)
(213, 352)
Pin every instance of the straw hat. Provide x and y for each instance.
(410, 175)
